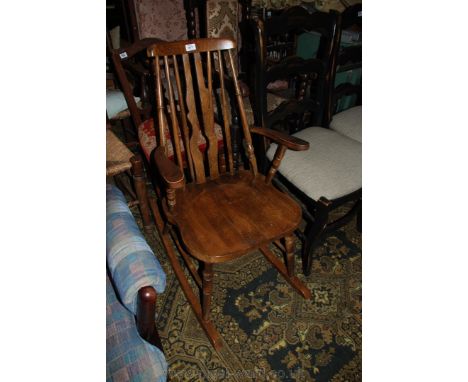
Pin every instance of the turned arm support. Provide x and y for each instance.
(284, 142)
(171, 174)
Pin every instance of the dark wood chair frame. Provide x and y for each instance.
(315, 212)
(173, 179)
(277, 37)
(140, 192)
(347, 58)
(124, 60)
(130, 60)
(317, 215)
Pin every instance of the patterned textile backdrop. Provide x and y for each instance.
(223, 18)
(162, 19)
(321, 5)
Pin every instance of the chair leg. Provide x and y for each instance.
(313, 234)
(141, 191)
(359, 217)
(207, 289)
(289, 247)
(192, 299)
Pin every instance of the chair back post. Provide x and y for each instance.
(331, 69)
(119, 58)
(276, 58)
(126, 87)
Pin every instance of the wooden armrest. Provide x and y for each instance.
(170, 172)
(286, 140)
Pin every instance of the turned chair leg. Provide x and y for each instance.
(141, 191)
(289, 247)
(359, 217)
(207, 288)
(313, 234)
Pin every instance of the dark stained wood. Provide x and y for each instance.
(192, 116)
(279, 155)
(168, 48)
(122, 62)
(223, 219)
(170, 172)
(273, 44)
(219, 214)
(188, 260)
(316, 213)
(206, 99)
(243, 119)
(289, 246)
(173, 115)
(146, 314)
(183, 117)
(207, 289)
(345, 58)
(313, 233)
(193, 300)
(281, 138)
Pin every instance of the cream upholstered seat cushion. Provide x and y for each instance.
(349, 123)
(116, 104)
(330, 168)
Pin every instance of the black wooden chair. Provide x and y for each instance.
(329, 174)
(348, 120)
(278, 38)
(292, 55)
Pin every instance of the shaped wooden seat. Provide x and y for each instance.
(236, 215)
(209, 210)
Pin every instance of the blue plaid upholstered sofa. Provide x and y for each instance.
(133, 280)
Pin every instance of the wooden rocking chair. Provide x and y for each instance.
(214, 213)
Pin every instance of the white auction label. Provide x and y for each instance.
(190, 47)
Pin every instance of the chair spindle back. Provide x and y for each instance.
(186, 95)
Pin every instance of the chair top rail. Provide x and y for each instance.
(190, 46)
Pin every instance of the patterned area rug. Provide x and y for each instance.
(269, 332)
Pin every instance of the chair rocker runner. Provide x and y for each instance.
(214, 213)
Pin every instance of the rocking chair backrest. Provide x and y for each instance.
(186, 106)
